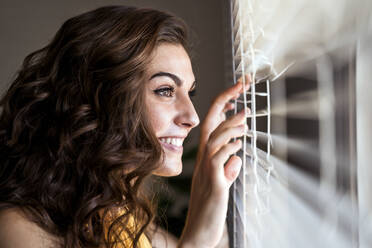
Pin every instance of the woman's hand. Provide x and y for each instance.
(216, 169)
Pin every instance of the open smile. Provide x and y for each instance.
(172, 143)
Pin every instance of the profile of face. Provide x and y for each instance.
(170, 83)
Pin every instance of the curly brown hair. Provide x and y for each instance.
(75, 143)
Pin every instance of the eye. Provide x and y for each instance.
(165, 91)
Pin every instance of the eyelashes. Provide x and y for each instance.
(166, 91)
(169, 92)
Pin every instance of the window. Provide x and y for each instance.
(299, 185)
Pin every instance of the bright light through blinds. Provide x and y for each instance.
(275, 203)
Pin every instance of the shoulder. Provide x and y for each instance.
(17, 231)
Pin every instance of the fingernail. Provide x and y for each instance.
(244, 127)
(247, 112)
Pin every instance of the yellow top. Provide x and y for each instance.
(143, 241)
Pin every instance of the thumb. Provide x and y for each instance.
(232, 169)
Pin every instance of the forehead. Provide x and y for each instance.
(173, 59)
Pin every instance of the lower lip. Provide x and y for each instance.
(171, 147)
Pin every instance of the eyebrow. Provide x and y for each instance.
(175, 78)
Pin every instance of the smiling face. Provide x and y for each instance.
(172, 115)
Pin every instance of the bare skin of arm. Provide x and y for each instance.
(17, 231)
(163, 239)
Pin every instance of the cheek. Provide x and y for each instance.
(160, 118)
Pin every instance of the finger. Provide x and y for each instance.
(224, 137)
(232, 168)
(245, 87)
(215, 142)
(245, 81)
(219, 104)
(216, 114)
(229, 106)
(231, 93)
(234, 120)
(227, 95)
(221, 157)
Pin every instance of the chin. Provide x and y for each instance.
(169, 170)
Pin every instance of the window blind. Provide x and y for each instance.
(298, 184)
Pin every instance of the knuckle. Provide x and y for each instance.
(222, 125)
(236, 131)
(227, 148)
(240, 130)
(212, 136)
(233, 147)
(237, 147)
(224, 148)
(209, 148)
(218, 100)
(237, 118)
(220, 128)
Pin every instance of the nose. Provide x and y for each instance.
(187, 116)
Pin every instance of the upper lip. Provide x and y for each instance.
(173, 136)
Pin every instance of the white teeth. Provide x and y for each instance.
(172, 141)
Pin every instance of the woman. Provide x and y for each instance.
(90, 116)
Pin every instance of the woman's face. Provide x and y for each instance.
(170, 81)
